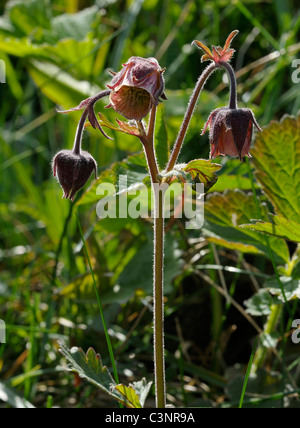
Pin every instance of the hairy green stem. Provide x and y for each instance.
(158, 299)
(188, 115)
(158, 271)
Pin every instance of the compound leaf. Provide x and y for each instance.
(276, 157)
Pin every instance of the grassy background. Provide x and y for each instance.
(57, 53)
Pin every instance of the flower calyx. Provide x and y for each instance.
(217, 54)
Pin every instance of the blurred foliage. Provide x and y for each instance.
(56, 54)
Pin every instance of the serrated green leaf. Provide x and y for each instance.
(130, 396)
(226, 212)
(203, 171)
(281, 227)
(276, 157)
(89, 366)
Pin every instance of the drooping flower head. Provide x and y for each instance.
(231, 128)
(230, 132)
(137, 87)
(73, 170)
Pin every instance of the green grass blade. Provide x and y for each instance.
(108, 341)
(248, 374)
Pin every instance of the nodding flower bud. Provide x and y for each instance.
(73, 171)
(231, 132)
(137, 87)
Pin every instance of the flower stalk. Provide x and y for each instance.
(232, 80)
(158, 300)
(188, 115)
(147, 140)
(79, 133)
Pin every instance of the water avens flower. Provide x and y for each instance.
(137, 87)
(73, 170)
(230, 132)
(231, 128)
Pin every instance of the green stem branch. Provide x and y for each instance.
(188, 115)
